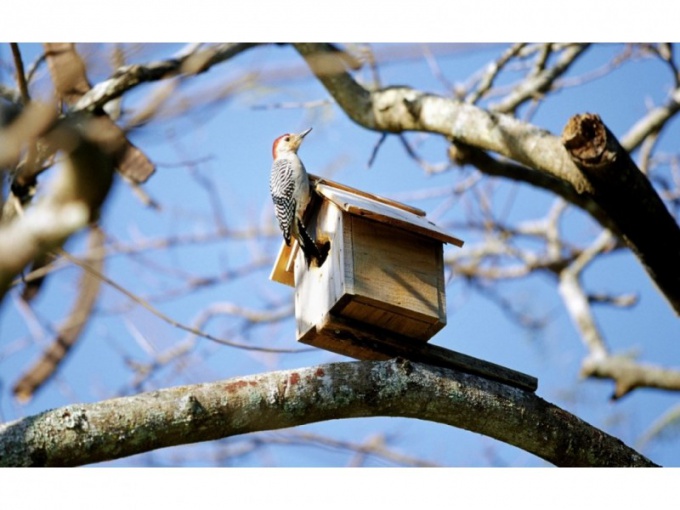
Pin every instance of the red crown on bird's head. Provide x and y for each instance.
(289, 138)
(279, 140)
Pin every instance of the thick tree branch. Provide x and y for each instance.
(86, 433)
(72, 201)
(647, 227)
(398, 109)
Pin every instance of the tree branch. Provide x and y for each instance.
(631, 202)
(398, 109)
(652, 122)
(72, 201)
(128, 77)
(71, 84)
(492, 71)
(21, 75)
(85, 433)
(462, 154)
(576, 301)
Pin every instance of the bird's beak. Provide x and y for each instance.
(297, 139)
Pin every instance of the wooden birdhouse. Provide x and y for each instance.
(383, 276)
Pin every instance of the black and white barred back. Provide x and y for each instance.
(282, 187)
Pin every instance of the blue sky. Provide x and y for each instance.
(228, 144)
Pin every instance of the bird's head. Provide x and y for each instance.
(288, 143)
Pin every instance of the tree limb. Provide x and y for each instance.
(398, 109)
(652, 122)
(85, 433)
(462, 154)
(72, 201)
(576, 301)
(21, 75)
(647, 227)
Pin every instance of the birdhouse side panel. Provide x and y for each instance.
(397, 278)
(397, 267)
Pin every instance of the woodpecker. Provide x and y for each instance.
(289, 186)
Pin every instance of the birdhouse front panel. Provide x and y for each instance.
(319, 289)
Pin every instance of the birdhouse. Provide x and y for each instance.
(384, 272)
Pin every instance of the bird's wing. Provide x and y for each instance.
(282, 187)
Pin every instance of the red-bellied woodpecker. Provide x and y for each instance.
(289, 186)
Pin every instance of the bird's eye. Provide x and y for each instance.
(286, 139)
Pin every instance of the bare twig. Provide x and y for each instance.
(461, 154)
(165, 318)
(666, 427)
(539, 82)
(427, 167)
(653, 122)
(128, 77)
(376, 148)
(576, 300)
(21, 76)
(318, 103)
(373, 447)
(492, 72)
(250, 317)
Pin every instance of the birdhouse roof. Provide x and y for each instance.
(367, 205)
(383, 210)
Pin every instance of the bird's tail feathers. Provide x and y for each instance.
(308, 246)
